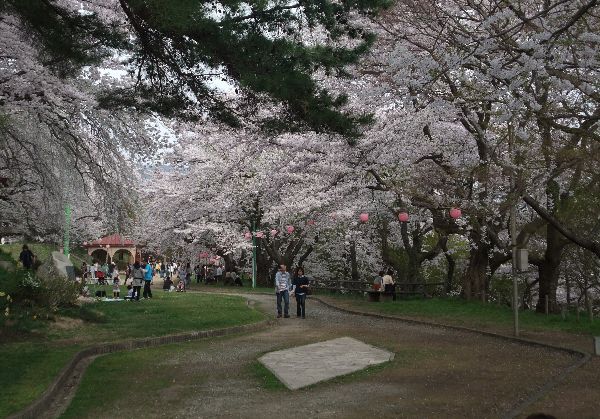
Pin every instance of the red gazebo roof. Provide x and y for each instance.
(112, 240)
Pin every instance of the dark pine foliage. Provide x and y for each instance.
(259, 47)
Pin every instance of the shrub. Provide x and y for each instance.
(58, 292)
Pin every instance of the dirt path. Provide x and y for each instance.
(436, 373)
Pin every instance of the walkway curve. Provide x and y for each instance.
(73, 371)
(519, 408)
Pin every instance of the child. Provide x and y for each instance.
(167, 284)
(181, 285)
(129, 292)
(116, 288)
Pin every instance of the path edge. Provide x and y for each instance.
(519, 407)
(43, 403)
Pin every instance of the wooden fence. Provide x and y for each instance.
(402, 288)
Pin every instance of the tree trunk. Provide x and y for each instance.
(353, 261)
(450, 272)
(475, 278)
(263, 267)
(549, 270)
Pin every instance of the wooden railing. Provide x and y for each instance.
(408, 288)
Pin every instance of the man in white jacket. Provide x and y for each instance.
(283, 282)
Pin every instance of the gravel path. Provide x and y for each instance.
(436, 373)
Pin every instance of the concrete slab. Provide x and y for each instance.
(309, 364)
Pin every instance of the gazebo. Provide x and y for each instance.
(113, 248)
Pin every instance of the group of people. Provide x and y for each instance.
(385, 283)
(285, 286)
(136, 275)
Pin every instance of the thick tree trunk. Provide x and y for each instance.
(549, 270)
(414, 272)
(263, 268)
(475, 278)
(450, 272)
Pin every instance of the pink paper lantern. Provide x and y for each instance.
(248, 235)
(403, 217)
(364, 217)
(274, 233)
(260, 234)
(290, 229)
(455, 213)
(85, 243)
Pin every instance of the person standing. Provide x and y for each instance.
(198, 273)
(378, 281)
(389, 286)
(84, 268)
(138, 278)
(236, 279)
(148, 275)
(115, 279)
(188, 274)
(218, 273)
(93, 271)
(27, 257)
(157, 267)
(299, 289)
(182, 276)
(282, 290)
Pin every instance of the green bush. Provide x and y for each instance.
(58, 292)
(24, 296)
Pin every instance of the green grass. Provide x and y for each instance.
(478, 315)
(42, 251)
(80, 254)
(111, 376)
(29, 366)
(27, 370)
(166, 313)
(265, 377)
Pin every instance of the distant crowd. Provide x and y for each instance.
(176, 276)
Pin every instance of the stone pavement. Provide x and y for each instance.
(309, 364)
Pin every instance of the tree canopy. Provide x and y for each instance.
(268, 53)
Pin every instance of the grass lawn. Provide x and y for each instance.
(30, 365)
(475, 314)
(109, 377)
(247, 288)
(265, 377)
(42, 251)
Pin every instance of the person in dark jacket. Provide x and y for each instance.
(300, 287)
(27, 257)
